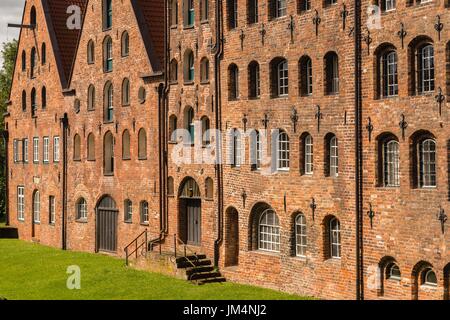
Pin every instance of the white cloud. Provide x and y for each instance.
(11, 12)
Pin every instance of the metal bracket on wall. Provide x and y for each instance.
(438, 26)
(294, 118)
(442, 217)
(262, 32)
(242, 38)
(440, 98)
(402, 34)
(291, 28)
(371, 215)
(403, 126)
(316, 21)
(344, 15)
(369, 128)
(313, 207)
(318, 116)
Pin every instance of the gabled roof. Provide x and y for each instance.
(64, 40)
(150, 17)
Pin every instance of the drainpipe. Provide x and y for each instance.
(218, 110)
(358, 155)
(5, 134)
(65, 124)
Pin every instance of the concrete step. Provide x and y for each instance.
(191, 258)
(198, 269)
(204, 275)
(189, 264)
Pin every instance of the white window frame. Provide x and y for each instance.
(309, 155)
(334, 157)
(281, 8)
(25, 150)
(391, 166)
(128, 211)
(21, 203)
(428, 178)
(427, 71)
(425, 278)
(283, 151)
(144, 212)
(81, 209)
(390, 66)
(52, 209)
(16, 150)
(269, 235)
(335, 238)
(390, 274)
(36, 207)
(389, 5)
(36, 150)
(46, 147)
(56, 148)
(283, 78)
(236, 148)
(301, 241)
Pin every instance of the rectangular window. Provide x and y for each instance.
(107, 14)
(51, 207)
(191, 13)
(389, 5)
(21, 203)
(36, 150)
(252, 11)
(46, 149)
(309, 151)
(25, 150)
(56, 149)
(281, 8)
(144, 213)
(16, 150)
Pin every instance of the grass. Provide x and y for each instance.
(31, 271)
(2, 220)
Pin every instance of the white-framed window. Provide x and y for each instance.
(144, 212)
(426, 69)
(300, 235)
(46, 143)
(21, 203)
(389, 5)
(283, 151)
(16, 150)
(428, 163)
(128, 211)
(36, 207)
(236, 148)
(51, 210)
(281, 8)
(429, 277)
(391, 164)
(269, 232)
(390, 74)
(55, 149)
(309, 155)
(334, 157)
(81, 208)
(335, 238)
(256, 149)
(393, 272)
(25, 150)
(283, 78)
(35, 149)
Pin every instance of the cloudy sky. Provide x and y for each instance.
(10, 11)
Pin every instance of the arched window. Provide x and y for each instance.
(269, 232)
(189, 69)
(391, 163)
(388, 73)
(142, 144)
(233, 82)
(173, 13)
(421, 68)
(236, 148)
(24, 61)
(144, 212)
(24, 100)
(307, 154)
(279, 77)
(43, 54)
(189, 123)
(33, 102)
(300, 235)
(91, 147)
(128, 211)
(188, 13)
(36, 207)
(393, 272)
(173, 72)
(108, 154)
(125, 47)
(126, 145)
(206, 134)
(331, 156)
(81, 209)
(252, 11)
(331, 73)
(107, 54)
(33, 62)
(33, 16)
(44, 97)
(173, 128)
(428, 277)
(125, 92)
(76, 148)
(335, 238)
(90, 52)
(256, 150)
(91, 98)
(107, 14)
(170, 187)
(427, 156)
(142, 95)
(305, 76)
(204, 70)
(204, 10)
(254, 86)
(209, 188)
(108, 101)
(232, 11)
(283, 151)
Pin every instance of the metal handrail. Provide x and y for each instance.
(185, 249)
(137, 246)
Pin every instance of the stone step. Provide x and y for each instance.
(191, 258)
(189, 264)
(210, 280)
(198, 269)
(204, 275)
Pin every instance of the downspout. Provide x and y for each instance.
(358, 155)
(218, 111)
(5, 134)
(65, 124)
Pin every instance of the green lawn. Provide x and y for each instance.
(30, 271)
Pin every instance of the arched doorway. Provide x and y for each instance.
(106, 225)
(231, 237)
(190, 213)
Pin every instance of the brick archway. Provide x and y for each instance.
(190, 212)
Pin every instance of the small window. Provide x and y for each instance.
(204, 10)
(387, 5)
(204, 70)
(329, 2)
(331, 156)
(206, 133)
(21, 203)
(24, 61)
(233, 82)
(170, 187)
(108, 97)
(425, 58)
(252, 11)
(33, 59)
(25, 150)
(256, 150)
(254, 80)
(173, 76)
(308, 154)
(209, 189)
(76, 148)
(91, 98)
(33, 16)
(142, 144)
(51, 210)
(16, 150)
(305, 76)
(36, 207)
(428, 277)
(142, 95)
(304, 5)
(126, 145)
(107, 54)
(125, 44)
(56, 149)
(90, 52)
(269, 232)
(81, 210)
(331, 73)
(108, 154)
(43, 54)
(173, 13)
(77, 105)
(144, 212)
(24, 100)
(279, 80)
(125, 92)
(44, 97)
(91, 147)
(427, 156)
(107, 14)
(277, 9)
(189, 69)
(33, 102)
(283, 151)
(128, 209)
(335, 238)
(393, 272)
(300, 235)
(189, 124)
(46, 147)
(36, 150)
(236, 149)
(391, 165)
(232, 8)
(189, 13)
(173, 128)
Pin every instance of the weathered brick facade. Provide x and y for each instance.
(206, 77)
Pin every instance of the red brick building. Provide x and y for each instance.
(301, 145)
